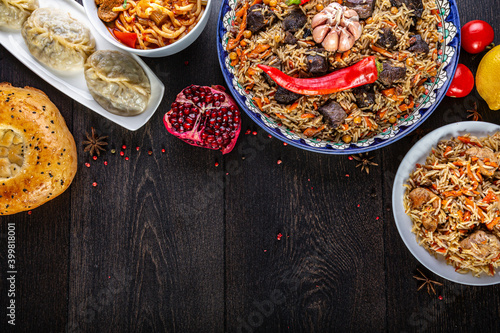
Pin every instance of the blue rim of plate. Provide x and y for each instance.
(436, 90)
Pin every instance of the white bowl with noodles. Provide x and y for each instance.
(418, 154)
(175, 47)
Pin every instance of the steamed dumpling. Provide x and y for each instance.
(117, 82)
(57, 40)
(13, 13)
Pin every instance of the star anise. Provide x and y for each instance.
(427, 282)
(474, 114)
(365, 162)
(94, 143)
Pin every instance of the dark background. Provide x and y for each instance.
(169, 242)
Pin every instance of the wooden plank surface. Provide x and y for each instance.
(170, 242)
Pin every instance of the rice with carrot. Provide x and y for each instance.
(453, 201)
(304, 116)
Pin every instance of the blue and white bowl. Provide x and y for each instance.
(426, 104)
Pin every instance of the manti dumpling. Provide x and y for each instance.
(57, 40)
(13, 13)
(117, 82)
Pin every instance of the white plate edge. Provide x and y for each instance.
(407, 164)
(131, 123)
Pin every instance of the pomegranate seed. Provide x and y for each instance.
(87, 165)
(122, 153)
(150, 152)
(279, 162)
(105, 162)
(94, 158)
(254, 133)
(163, 150)
(124, 147)
(126, 158)
(216, 164)
(29, 212)
(94, 184)
(285, 144)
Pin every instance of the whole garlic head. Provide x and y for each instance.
(336, 27)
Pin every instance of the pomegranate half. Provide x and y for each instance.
(205, 117)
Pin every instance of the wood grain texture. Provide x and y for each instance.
(169, 242)
(42, 238)
(147, 242)
(330, 248)
(458, 311)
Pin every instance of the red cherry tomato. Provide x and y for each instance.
(476, 35)
(462, 82)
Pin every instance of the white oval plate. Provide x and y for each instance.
(417, 154)
(73, 84)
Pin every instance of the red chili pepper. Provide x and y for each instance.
(296, 2)
(127, 38)
(363, 72)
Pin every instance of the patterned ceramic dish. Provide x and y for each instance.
(425, 105)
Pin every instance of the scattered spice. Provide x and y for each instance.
(94, 143)
(113, 151)
(427, 282)
(473, 113)
(248, 132)
(365, 162)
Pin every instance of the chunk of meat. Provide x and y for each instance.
(416, 5)
(391, 73)
(482, 154)
(420, 196)
(105, 10)
(482, 245)
(364, 8)
(364, 98)
(294, 21)
(316, 64)
(289, 38)
(307, 33)
(387, 39)
(333, 113)
(418, 45)
(284, 96)
(258, 17)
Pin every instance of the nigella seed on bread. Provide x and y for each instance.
(38, 159)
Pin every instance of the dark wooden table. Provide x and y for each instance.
(170, 242)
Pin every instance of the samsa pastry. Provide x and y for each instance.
(117, 82)
(13, 13)
(38, 158)
(57, 40)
